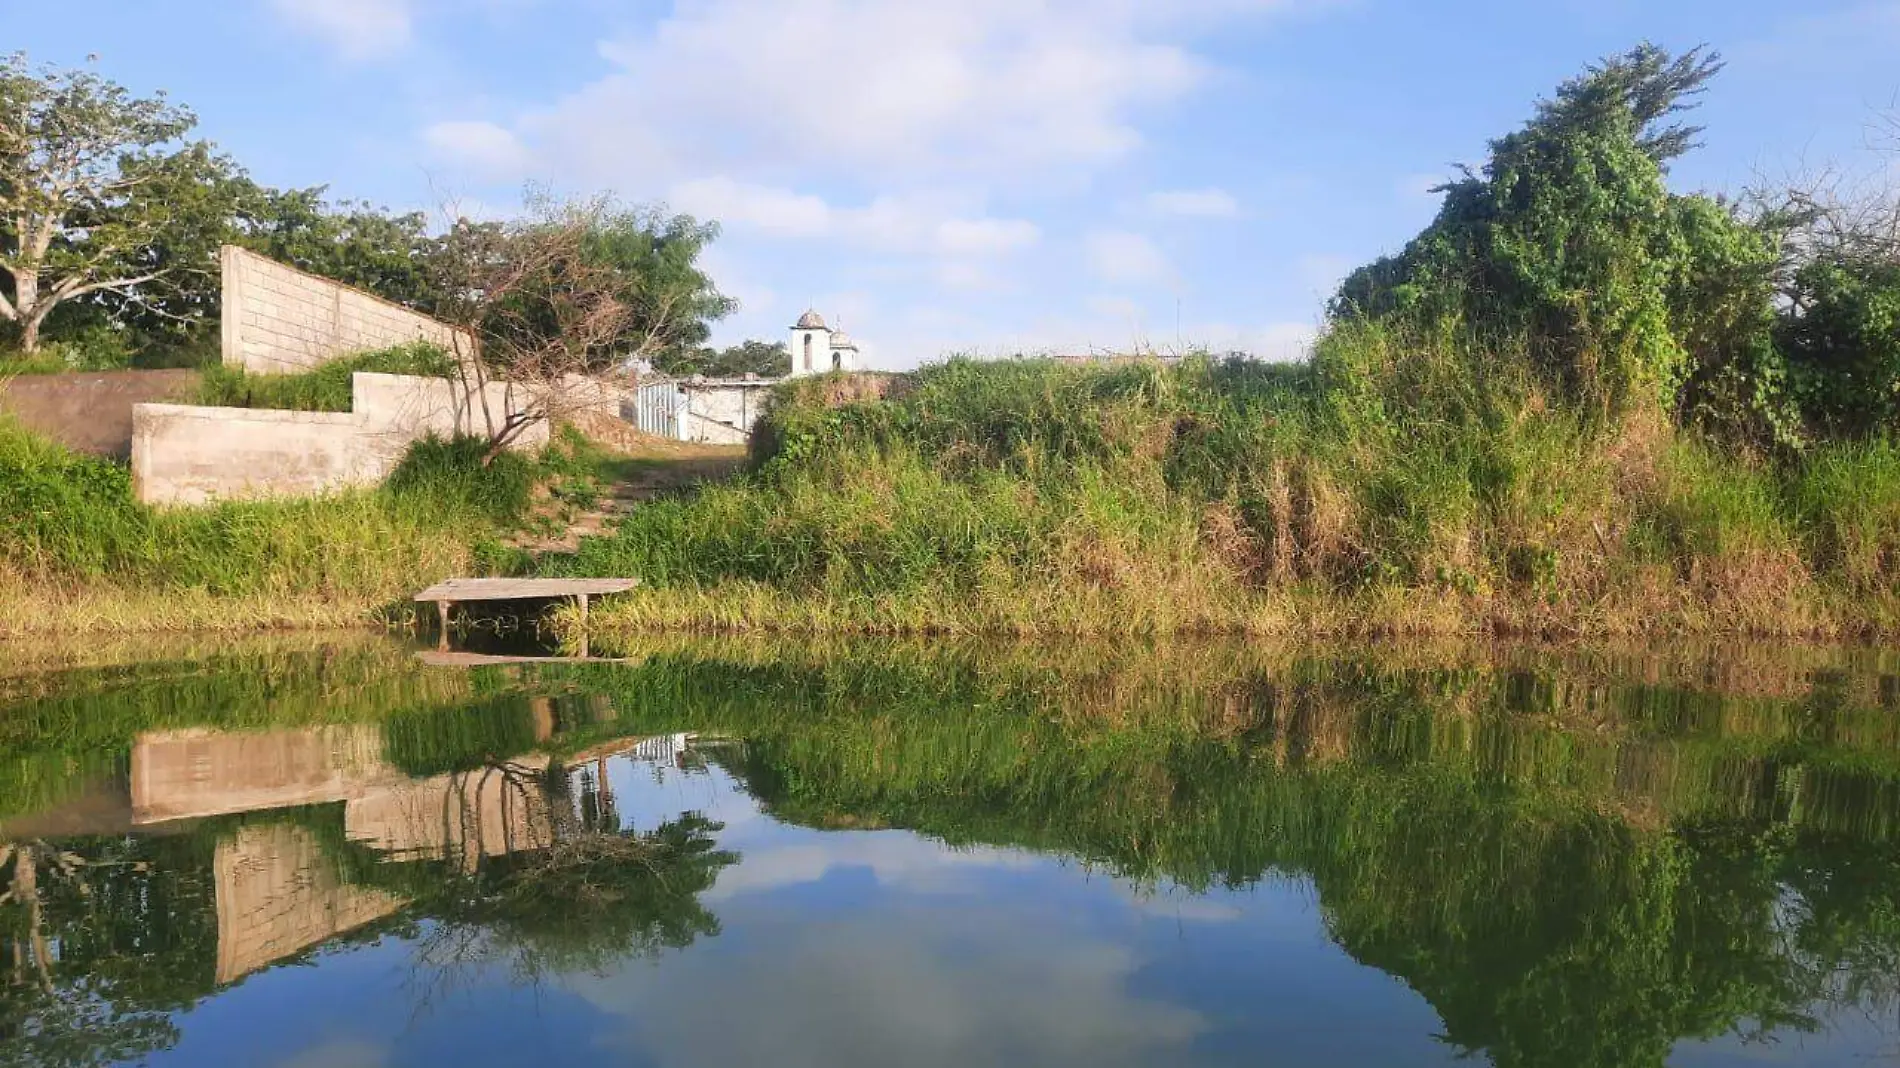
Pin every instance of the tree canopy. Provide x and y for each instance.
(1569, 249)
(111, 217)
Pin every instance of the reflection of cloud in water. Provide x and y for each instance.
(1177, 904)
(913, 985)
(896, 859)
(339, 1053)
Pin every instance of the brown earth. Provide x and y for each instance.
(91, 411)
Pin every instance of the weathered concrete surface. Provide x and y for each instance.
(90, 411)
(279, 893)
(722, 411)
(277, 319)
(184, 454)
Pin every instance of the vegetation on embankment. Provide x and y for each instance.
(324, 388)
(1379, 489)
(79, 553)
(1577, 403)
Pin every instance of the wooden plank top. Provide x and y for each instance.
(522, 589)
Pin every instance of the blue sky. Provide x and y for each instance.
(978, 175)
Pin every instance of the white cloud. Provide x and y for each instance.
(779, 212)
(357, 29)
(986, 236)
(1126, 258)
(929, 223)
(996, 88)
(1196, 203)
(1277, 342)
(487, 149)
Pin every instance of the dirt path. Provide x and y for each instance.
(645, 471)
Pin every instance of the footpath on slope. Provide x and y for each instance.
(644, 468)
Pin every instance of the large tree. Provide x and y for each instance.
(767, 359)
(353, 242)
(101, 193)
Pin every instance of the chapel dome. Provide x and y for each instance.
(811, 320)
(842, 340)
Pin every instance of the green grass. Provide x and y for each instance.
(323, 389)
(39, 363)
(79, 552)
(1392, 484)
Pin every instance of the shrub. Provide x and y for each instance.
(1842, 338)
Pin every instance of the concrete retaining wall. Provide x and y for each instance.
(183, 454)
(279, 319)
(90, 411)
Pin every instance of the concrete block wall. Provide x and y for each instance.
(278, 319)
(722, 411)
(185, 454)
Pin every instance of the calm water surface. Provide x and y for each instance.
(328, 853)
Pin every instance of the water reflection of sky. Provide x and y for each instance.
(849, 948)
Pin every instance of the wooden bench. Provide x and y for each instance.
(450, 591)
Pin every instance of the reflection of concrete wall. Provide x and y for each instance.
(278, 894)
(461, 817)
(186, 454)
(186, 774)
(277, 318)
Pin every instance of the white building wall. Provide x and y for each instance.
(820, 341)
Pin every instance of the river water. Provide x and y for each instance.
(331, 853)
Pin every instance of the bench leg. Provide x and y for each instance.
(583, 603)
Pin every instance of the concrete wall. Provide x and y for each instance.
(722, 411)
(90, 411)
(183, 454)
(279, 319)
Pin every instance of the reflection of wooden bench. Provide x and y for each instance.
(449, 591)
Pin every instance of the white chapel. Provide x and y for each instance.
(817, 348)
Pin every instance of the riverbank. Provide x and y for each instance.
(1331, 499)
(1375, 491)
(80, 555)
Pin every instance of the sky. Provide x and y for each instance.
(970, 176)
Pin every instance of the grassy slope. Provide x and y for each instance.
(78, 554)
(1389, 487)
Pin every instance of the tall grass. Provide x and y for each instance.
(1395, 483)
(78, 551)
(325, 388)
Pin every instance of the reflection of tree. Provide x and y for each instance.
(1489, 864)
(103, 940)
(586, 894)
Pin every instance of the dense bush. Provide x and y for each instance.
(1843, 339)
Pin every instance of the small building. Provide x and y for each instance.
(817, 348)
